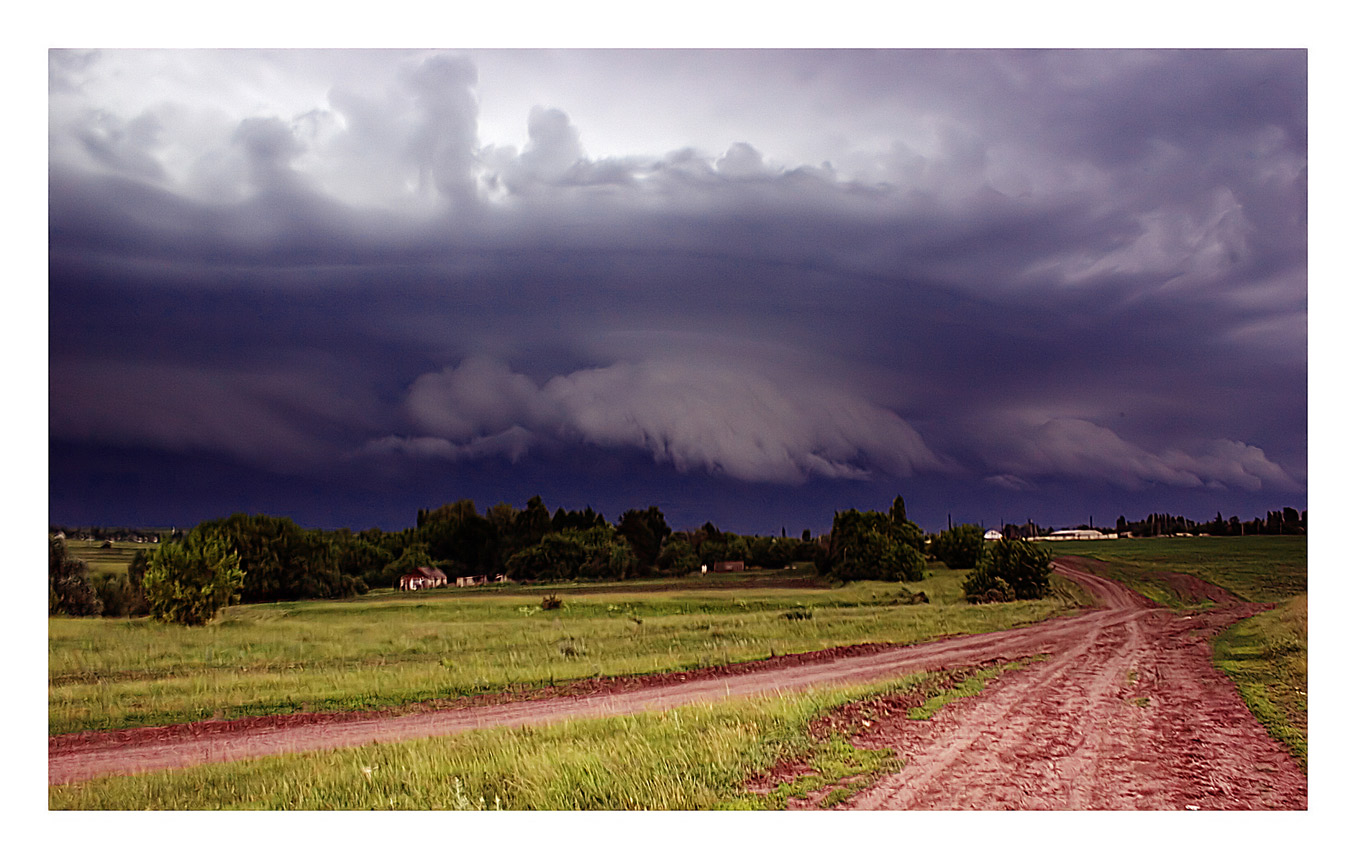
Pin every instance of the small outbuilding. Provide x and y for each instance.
(991, 534)
(423, 578)
(729, 566)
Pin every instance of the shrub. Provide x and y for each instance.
(1008, 570)
(120, 596)
(188, 582)
(551, 602)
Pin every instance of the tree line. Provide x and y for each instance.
(190, 575)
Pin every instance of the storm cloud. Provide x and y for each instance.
(1012, 273)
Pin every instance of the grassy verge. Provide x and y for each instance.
(388, 650)
(693, 757)
(1267, 657)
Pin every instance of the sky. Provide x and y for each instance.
(748, 286)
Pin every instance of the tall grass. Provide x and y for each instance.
(390, 650)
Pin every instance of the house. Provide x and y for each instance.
(423, 578)
(729, 566)
(472, 581)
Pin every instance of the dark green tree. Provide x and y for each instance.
(959, 547)
(677, 556)
(645, 531)
(596, 553)
(874, 546)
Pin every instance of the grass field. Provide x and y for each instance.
(390, 649)
(693, 757)
(1259, 569)
(101, 561)
(1266, 656)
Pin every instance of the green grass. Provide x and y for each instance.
(1259, 568)
(1267, 657)
(388, 649)
(694, 757)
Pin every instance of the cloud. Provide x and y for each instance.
(287, 419)
(875, 253)
(716, 419)
(1081, 449)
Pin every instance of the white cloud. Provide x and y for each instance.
(726, 420)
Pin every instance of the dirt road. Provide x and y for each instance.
(1069, 732)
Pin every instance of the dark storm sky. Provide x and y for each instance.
(748, 286)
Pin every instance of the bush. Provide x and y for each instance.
(1008, 570)
(551, 602)
(120, 596)
(188, 582)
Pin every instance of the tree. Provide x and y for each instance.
(189, 581)
(898, 512)
(69, 590)
(874, 546)
(282, 560)
(645, 531)
(677, 555)
(1008, 570)
(596, 553)
(414, 556)
(959, 547)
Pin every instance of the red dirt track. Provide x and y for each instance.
(1127, 712)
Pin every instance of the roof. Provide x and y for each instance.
(431, 573)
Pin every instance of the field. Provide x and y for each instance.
(1257, 569)
(390, 649)
(105, 561)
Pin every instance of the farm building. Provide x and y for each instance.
(423, 578)
(991, 534)
(729, 566)
(1078, 534)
